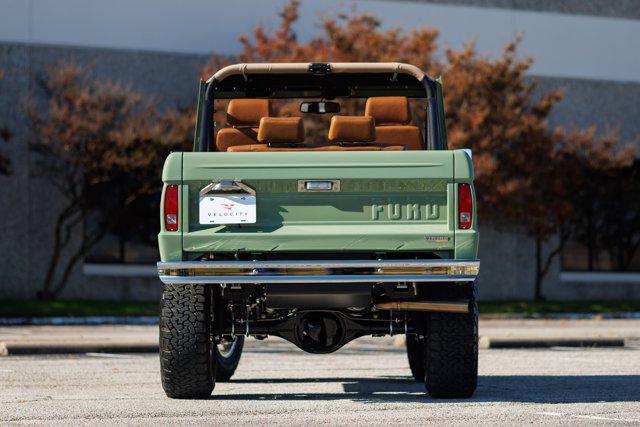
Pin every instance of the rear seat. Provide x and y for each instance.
(356, 133)
(392, 116)
(276, 134)
(243, 115)
(350, 133)
(352, 129)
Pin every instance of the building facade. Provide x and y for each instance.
(587, 48)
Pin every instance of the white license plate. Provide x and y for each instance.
(227, 209)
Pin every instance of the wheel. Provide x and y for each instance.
(451, 352)
(415, 354)
(187, 364)
(228, 355)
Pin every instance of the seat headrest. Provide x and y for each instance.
(388, 110)
(352, 129)
(247, 112)
(281, 130)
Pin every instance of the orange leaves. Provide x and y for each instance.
(92, 133)
(526, 173)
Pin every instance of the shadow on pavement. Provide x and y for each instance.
(506, 388)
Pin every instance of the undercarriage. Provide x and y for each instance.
(321, 318)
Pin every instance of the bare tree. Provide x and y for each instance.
(5, 135)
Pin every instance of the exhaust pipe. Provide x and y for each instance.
(446, 306)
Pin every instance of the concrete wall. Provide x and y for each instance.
(29, 203)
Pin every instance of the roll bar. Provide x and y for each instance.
(433, 122)
(326, 67)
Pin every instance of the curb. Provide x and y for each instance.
(15, 349)
(559, 316)
(82, 321)
(486, 342)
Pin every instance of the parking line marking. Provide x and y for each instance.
(595, 417)
(588, 417)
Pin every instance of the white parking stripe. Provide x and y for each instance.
(589, 417)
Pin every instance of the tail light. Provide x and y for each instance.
(465, 206)
(171, 208)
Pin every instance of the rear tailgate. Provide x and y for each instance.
(387, 201)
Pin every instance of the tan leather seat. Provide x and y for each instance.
(287, 134)
(281, 130)
(276, 134)
(243, 115)
(392, 116)
(315, 147)
(352, 129)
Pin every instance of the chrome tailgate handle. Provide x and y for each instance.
(218, 186)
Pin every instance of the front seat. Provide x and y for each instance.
(392, 116)
(243, 117)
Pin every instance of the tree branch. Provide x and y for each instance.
(564, 236)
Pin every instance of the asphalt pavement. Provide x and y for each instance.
(367, 382)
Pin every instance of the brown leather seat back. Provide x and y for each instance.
(392, 116)
(243, 115)
(352, 129)
(287, 134)
(323, 147)
(281, 130)
(276, 134)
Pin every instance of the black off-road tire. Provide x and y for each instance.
(451, 353)
(227, 363)
(415, 354)
(187, 364)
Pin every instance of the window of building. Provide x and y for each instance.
(607, 234)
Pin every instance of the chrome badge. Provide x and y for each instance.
(437, 239)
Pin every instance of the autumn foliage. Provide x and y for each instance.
(527, 175)
(102, 146)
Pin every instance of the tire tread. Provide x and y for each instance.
(451, 353)
(187, 368)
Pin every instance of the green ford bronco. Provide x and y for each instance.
(320, 204)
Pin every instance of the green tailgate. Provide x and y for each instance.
(388, 201)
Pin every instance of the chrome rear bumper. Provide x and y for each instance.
(338, 271)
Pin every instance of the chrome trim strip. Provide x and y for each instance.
(228, 186)
(206, 280)
(185, 265)
(323, 271)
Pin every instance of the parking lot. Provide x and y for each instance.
(366, 382)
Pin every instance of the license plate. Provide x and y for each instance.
(227, 209)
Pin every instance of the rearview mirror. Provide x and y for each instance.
(320, 107)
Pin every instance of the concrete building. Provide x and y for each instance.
(591, 49)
